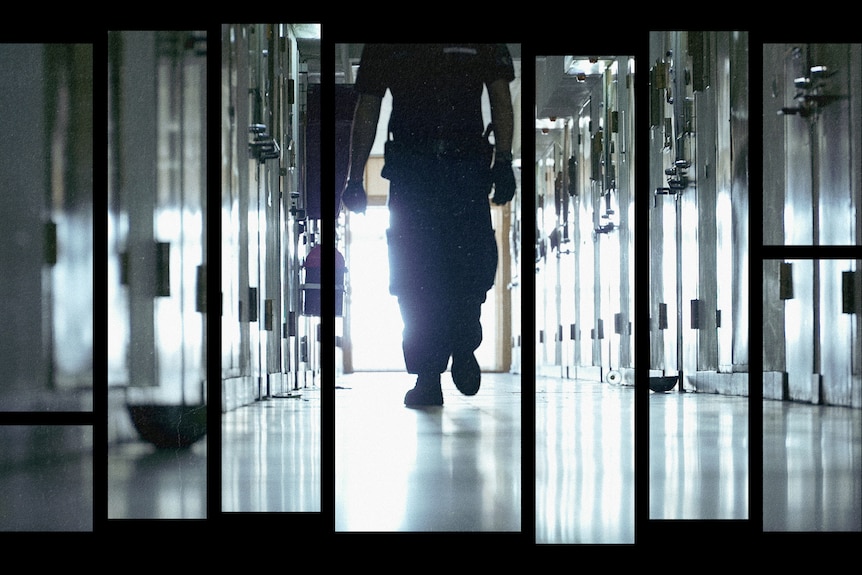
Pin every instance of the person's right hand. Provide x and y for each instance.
(354, 197)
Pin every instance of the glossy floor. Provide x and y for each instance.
(149, 483)
(46, 478)
(271, 455)
(451, 468)
(585, 483)
(698, 454)
(812, 467)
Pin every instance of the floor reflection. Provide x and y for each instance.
(812, 467)
(455, 468)
(271, 455)
(584, 462)
(149, 483)
(698, 453)
(46, 478)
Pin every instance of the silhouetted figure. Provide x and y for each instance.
(441, 166)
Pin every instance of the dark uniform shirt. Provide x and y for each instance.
(436, 88)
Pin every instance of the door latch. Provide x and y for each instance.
(677, 180)
(810, 93)
(262, 147)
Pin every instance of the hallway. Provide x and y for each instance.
(454, 469)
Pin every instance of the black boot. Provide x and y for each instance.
(427, 392)
(466, 373)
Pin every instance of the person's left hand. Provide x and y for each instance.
(504, 181)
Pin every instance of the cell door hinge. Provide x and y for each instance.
(662, 316)
(163, 269)
(848, 291)
(695, 314)
(201, 289)
(785, 281)
(50, 243)
(267, 314)
(252, 304)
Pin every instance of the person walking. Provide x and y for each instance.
(442, 167)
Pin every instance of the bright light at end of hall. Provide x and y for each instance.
(583, 66)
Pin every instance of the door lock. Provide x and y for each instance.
(810, 93)
(677, 179)
(263, 147)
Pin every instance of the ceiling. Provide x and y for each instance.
(564, 85)
(558, 93)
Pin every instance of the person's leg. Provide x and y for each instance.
(465, 338)
(425, 341)
(474, 269)
(426, 347)
(417, 265)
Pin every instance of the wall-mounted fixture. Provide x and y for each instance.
(263, 147)
(810, 93)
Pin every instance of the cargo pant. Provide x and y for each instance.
(442, 253)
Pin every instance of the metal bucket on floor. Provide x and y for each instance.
(169, 426)
(662, 384)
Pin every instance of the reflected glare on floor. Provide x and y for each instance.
(584, 462)
(451, 468)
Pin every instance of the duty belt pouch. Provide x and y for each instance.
(486, 261)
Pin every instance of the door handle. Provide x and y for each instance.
(263, 147)
(810, 93)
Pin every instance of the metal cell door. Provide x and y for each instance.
(234, 232)
(547, 285)
(833, 73)
(814, 92)
(69, 75)
(820, 85)
(255, 215)
(22, 206)
(46, 258)
(612, 221)
(253, 276)
(839, 343)
(179, 226)
(267, 105)
(800, 331)
(670, 155)
(264, 221)
(158, 105)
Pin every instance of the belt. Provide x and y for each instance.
(447, 147)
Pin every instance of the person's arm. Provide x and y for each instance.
(362, 134)
(502, 116)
